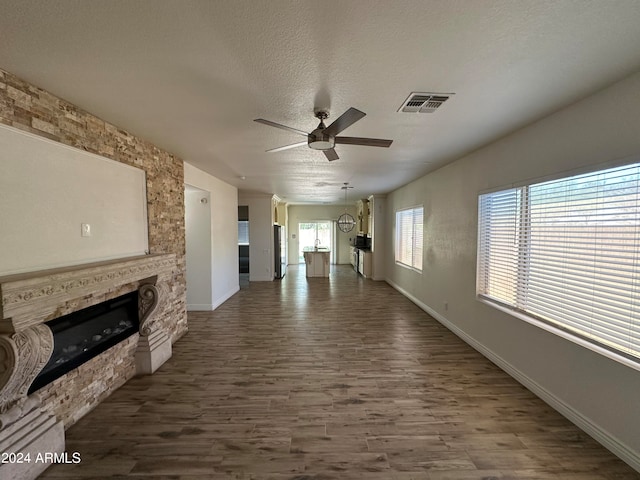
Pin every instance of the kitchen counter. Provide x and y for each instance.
(317, 261)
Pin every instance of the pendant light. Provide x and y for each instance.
(346, 222)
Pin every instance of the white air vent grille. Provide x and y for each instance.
(424, 102)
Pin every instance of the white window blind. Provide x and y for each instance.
(243, 232)
(567, 252)
(409, 227)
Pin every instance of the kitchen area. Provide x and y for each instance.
(318, 245)
(360, 252)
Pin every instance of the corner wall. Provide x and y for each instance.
(598, 394)
(222, 260)
(197, 209)
(261, 220)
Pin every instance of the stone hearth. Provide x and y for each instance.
(31, 423)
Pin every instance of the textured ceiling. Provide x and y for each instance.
(191, 76)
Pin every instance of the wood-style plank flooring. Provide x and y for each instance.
(319, 379)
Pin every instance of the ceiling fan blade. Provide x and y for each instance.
(283, 127)
(286, 147)
(369, 142)
(345, 120)
(331, 154)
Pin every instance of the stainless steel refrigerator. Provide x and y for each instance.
(280, 251)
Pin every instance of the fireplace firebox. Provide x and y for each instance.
(84, 334)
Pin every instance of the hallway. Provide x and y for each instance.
(339, 378)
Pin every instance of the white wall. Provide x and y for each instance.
(198, 241)
(378, 235)
(261, 217)
(223, 207)
(47, 190)
(599, 394)
(313, 213)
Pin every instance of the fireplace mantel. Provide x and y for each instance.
(29, 299)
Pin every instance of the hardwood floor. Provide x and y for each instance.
(318, 379)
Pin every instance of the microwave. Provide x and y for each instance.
(361, 241)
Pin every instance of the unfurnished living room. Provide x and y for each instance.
(287, 240)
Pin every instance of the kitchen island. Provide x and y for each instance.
(317, 261)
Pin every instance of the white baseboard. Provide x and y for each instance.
(199, 307)
(225, 297)
(602, 436)
(207, 307)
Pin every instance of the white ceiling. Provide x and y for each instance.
(190, 76)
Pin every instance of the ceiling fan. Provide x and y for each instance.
(325, 138)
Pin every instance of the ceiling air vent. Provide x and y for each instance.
(424, 102)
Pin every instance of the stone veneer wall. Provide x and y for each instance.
(78, 392)
(32, 109)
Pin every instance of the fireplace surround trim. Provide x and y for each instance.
(29, 300)
(32, 298)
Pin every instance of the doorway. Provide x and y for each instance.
(243, 245)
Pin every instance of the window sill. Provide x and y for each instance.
(408, 267)
(628, 362)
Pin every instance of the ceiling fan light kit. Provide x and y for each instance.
(324, 138)
(319, 139)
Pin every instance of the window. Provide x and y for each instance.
(409, 237)
(243, 232)
(567, 253)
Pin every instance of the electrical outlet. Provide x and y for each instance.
(85, 229)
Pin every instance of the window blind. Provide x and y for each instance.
(409, 237)
(567, 252)
(243, 232)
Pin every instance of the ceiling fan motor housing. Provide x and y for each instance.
(318, 140)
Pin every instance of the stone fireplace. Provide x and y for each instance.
(32, 420)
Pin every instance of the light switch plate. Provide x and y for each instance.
(86, 230)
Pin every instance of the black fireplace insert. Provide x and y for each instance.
(82, 335)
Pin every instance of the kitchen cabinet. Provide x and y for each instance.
(364, 263)
(362, 221)
(317, 262)
(353, 255)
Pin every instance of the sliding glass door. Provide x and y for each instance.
(312, 234)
